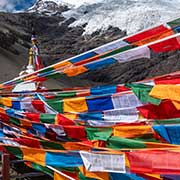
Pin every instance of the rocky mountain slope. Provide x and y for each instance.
(52, 7)
(57, 42)
(59, 39)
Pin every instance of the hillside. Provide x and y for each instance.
(57, 42)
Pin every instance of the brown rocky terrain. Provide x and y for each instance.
(57, 42)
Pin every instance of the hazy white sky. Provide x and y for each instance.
(79, 2)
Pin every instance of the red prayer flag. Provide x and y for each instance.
(76, 132)
(154, 161)
(146, 34)
(165, 110)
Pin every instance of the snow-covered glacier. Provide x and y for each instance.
(128, 15)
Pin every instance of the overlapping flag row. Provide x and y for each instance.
(100, 99)
(37, 130)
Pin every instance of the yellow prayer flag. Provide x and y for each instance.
(176, 104)
(2, 111)
(154, 176)
(72, 146)
(30, 78)
(6, 101)
(75, 104)
(62, 65)
(171, 92)
(74, 71)
(96, 175)
(71, 116)
(131, 131)
(26, 123)
(59, 177)
(34, 155)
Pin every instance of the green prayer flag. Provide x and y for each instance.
(146, 138)
(122, 143)
(175, 23)
(60, 96)
(47, 70)
(42, 169)
(142, 92)
(167, 121)
(47, 118)
(116, 51)
(51, 145)
(56, 105)
(54, 76)
(98, 133)
(15, 121)
(15, 151)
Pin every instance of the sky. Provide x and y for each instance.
(79, 2)
(17, 5)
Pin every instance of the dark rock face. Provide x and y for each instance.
(48, 8)
(56, 39)
(160, 64)
(58, 42)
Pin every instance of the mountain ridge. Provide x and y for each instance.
(49, 7)
(128, 15)
(56, 42)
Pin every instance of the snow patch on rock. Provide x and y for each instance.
(129, 15)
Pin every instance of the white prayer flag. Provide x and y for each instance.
(129, 114)
(137, 53)
(110, 47)
(125, 100)
(103, 162)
